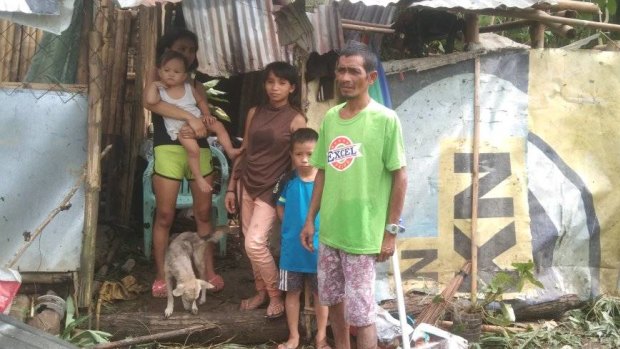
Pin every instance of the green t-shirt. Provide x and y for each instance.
(358, 156)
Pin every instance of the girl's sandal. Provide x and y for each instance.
(158, 290)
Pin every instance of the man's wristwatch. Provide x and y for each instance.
(394, 229)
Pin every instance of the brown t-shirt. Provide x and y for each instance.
(267, 155)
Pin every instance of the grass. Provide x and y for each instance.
(597, 325)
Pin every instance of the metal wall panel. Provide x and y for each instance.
(234, 36)
(480, 4)
(42, 152)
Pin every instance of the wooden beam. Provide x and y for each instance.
(75, 88)
(426, 63)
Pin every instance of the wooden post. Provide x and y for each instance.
(122, 129)
(537, 35)
(87, 21)
(472, 34)
(474, 189)
(562, 30)
(5, 43)
(93, 166)
(15, 50)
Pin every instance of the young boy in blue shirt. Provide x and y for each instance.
(296, 263)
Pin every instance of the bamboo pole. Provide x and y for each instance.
(541, 16)
(87, 21)
(363, 28)
(123, 126)
(4, 61)
(15, 49)
(537, 35)
(366, 24)
(93, 173)
(26, 51)
(472, 27)
(562, 30)
(580, 6)
(506, 26)
(475, 176)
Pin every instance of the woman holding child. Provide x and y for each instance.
(172, 162)
(266, 140)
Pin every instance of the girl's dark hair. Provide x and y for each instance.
(289, 73)
(303, 135)
(170, 55)
(168, 39)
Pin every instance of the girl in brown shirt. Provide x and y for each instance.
(267, 142)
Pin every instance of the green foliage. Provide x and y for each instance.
(79, 337)
(502, 282)
(597, 325)
(610, 5)
(214, 95)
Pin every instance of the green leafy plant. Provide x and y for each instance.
(214, 95)
(502, 282)
(79, 337)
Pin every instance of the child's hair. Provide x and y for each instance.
(170, 37)
(287, 72)
(303, 135)
(355, 48)
(170, 55)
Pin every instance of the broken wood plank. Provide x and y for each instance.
(243, 327)
(154, 337)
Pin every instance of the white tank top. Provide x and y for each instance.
(187, 102)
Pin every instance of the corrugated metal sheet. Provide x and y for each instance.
(17, 335)
(480, 4)
(328, 34)
(371, 14)
(236, 36)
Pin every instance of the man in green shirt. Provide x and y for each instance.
(360, 190)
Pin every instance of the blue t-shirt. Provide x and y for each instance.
(296, 200)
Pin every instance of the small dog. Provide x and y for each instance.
(186, 248)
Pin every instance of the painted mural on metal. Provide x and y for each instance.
(548, 164)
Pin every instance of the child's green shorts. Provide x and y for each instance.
(171, 162)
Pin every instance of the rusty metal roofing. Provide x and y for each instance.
(376, 14)
(480, 4)
(325, 21)
(235, 36)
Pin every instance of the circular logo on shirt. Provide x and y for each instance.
(342, 153)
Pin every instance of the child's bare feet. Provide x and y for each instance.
(291, 343)
(233, 153)
(203, 185)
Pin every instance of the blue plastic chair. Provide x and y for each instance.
(219, 216)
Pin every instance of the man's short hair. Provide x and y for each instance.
(356, 48)
(302, 135)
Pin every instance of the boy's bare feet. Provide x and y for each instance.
(291, 343)
(203, 185)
